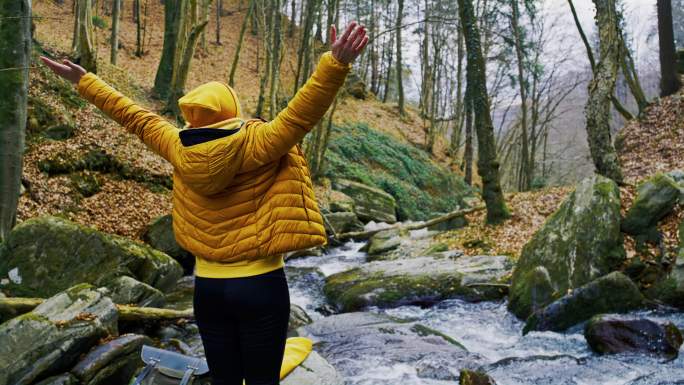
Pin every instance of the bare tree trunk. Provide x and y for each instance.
(15, 53)
(669, 78)
(173, 15)
(631, 76)
(524, 182)
(241, 38)
(267, 30)
(487, 163)
(400, 66)
(114, 41)
(458, 121)
(219, 9)
(275, 62)
(601, 89)
(85, 46)
(139, 41)
(304, 47)
(181, 75)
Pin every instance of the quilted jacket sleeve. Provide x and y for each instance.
(271, 140)
(156, 132)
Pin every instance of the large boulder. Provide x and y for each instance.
(534, 291)
(160, 236)
(422, 280)
(613, 293)
(670, 288)
(578, 243)
(353, 342)
(384, 241)
(315, 370)
(655, 198)
(113, 362)
(342, 222)
(127, 290)
(50, 338)
(611, 335)
(46, 255)
(370, 203)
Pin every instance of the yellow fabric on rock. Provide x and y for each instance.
(240, 201)
(296, 351)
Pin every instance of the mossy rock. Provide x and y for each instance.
(342, 222)
(669, 289)
(340, 202)
(656, 197)
(160, 235)
(45, 255)
(422, 280)
(51, 338)
(356, 87)
(97, 159)
(370, 203)
(383, 242)
(613, 293)
(49, 121)
(613, 335)
(474, 377)
(298, 318)
(86, 183)
(581, 241)
(60, 379)
(128, 290)
(535, 292)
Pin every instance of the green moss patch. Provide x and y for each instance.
(421, 187)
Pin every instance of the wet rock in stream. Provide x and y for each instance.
(422, 280)
(356, 342)
(610, 335)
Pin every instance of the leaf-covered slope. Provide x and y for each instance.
(421, 187)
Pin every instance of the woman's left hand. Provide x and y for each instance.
(69, 70)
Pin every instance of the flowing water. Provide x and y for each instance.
(488, 330)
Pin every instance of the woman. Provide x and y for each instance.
(242, 197)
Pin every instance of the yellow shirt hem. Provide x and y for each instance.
(210, 269)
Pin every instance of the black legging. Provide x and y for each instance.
(243, 326)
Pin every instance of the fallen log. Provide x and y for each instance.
(416, 226)
(11, 307)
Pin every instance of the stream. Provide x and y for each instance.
(486, 329)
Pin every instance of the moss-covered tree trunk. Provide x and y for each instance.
(173, 15)
(669, 78)
(241, 38)
(114, 39)
(84, 44)
(15, 50)
(487, 163)
(399, 70)
(601, 89)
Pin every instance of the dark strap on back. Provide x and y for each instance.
(192, 136)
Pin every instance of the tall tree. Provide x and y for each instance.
(266, 26)
(192, 23)
(487, 163)
(114, 40)
(139, 40)
(219, 10)
(241, 38)
(669, 78)
(173, 20)
(525, 181)
(400, 66)
(15, 54)
(601, 89)
(276, 38)
(84, 43)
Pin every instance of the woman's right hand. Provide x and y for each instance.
(349, 46)
(69, 71)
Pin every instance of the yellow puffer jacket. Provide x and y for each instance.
(241, 200)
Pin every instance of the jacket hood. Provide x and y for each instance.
(209, 104)
(211, 156)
